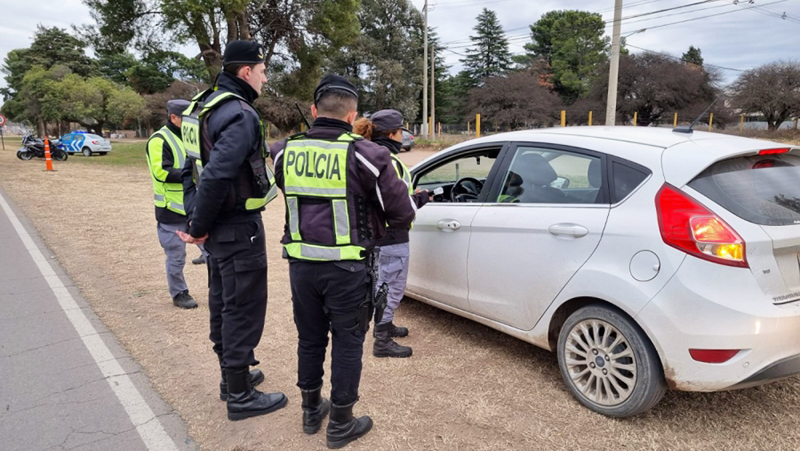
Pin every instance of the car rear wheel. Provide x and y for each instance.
(87, 152)
(608, 363)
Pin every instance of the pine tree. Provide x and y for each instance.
(489, 55)
(693, 56)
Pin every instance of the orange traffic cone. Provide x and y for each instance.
(47, 157)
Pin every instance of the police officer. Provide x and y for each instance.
(225, 142)
(340, 192)
(165, 157)
(385, 127)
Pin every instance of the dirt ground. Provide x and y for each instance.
(467, 387)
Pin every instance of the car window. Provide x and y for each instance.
(549, 176)
(626, 179)
(759, 189)
(475, 165)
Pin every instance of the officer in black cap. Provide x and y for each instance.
(340, 190)
(226, 147)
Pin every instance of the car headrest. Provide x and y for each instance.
(534, 169)
(595, 175)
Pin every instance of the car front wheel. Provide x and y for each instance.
(608, 363)
(87, 152)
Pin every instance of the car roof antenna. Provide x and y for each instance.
(688, 129)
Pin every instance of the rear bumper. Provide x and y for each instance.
(709, 306)
(781, 369)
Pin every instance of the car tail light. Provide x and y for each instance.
(774, 151)
(713, 355)
(688, 226)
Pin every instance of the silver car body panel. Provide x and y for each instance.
(508, 272)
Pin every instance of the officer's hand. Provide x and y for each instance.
(188, 239)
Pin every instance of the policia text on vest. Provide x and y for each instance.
(340, 193)
(314, 165)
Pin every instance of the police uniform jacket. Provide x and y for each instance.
(395, 235)
(377, 183)
(163, 215)
(233, 132)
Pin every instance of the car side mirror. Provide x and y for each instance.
(560, 183)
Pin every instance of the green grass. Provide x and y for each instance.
(125, 153)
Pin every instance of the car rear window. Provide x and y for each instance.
(764, 190)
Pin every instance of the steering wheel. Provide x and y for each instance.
(466, 189)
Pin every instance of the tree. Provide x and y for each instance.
(572, 45)
(693, 56)
(489, 55)
(50, 47)
(384, 62)
(772, 90)
(515, 101)
(150, 25)
(655, 86)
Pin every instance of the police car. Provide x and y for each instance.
(85, 143)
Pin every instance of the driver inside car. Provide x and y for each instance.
(512, 189)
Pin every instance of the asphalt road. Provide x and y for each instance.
(65, 382)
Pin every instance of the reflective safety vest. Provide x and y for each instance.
(264, 180)
(166, 195)
(317, 169)
(405, 176)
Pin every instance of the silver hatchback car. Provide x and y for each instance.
(645, 258)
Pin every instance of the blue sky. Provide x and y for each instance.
(740, 39)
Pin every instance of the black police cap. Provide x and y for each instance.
(387, 120)
(243, 52)
(333, 82)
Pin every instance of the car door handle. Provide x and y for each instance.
(448, 225)
(572, 230)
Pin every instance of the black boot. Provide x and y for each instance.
(384, 345)
(184, 300)
(343, 428)
(245, 401)
(256, 377)
(315, 409)
(397, 331)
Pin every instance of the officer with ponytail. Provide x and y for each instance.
(385, 128)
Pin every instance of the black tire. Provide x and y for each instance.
(60, 156)
(19, 154)
(649, 385)
(87, 152)
(25, 155)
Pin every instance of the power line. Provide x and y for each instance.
(679, 59)
(712, 15)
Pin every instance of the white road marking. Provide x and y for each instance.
(147, 424)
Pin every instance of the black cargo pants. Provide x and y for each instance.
(237, 290)
(321, 290)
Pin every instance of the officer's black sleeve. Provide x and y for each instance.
(231, 149)
(167, 163)
(276, 152)
(392, 192)
(189, 188)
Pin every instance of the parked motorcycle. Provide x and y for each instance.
(34, 147)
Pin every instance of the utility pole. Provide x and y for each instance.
(425, 77)
(433, 88)
(613, 73)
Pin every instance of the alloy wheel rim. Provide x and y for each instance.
(600, 362)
